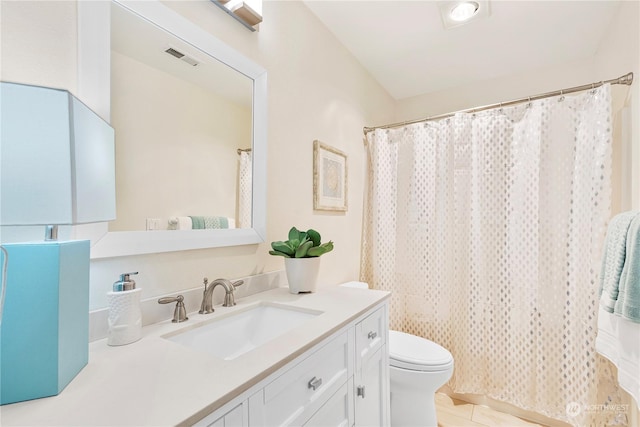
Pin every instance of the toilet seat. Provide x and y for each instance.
(414, 353)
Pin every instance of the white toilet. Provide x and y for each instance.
(417, 369)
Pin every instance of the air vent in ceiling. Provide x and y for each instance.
(189, 60)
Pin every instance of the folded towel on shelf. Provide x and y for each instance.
(200, 222)
(197, 222)
(209, 222)
(628, 302)
(613, 259)
(180, 223)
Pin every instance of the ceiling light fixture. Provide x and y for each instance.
(464, 11)
(456, 13)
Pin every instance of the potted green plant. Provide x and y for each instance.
(301, 254)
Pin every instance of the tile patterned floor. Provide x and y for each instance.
(457, 413)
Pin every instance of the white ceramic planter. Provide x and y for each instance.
(302, 274)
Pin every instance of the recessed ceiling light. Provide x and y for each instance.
(455, 13)
(464, 11)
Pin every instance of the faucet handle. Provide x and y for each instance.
(180, 312)
(237, 283)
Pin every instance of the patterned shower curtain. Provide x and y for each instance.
(245, 189)
(488, 229)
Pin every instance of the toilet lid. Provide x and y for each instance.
(417, 354)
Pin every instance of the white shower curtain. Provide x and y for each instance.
(245, 192)
(488, 230)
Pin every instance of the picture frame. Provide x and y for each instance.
(330, 183)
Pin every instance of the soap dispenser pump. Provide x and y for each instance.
(125, 316)
(125, 283)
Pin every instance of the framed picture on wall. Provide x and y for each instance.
(329, 178)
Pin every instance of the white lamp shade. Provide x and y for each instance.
(57, 159)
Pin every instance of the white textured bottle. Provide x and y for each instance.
(125, 316)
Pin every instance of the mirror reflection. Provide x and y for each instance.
(183, 125)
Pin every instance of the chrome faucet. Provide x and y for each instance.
(207, 295)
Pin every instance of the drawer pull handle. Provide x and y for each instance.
(314, 383)
(372, 335)
(360, 391)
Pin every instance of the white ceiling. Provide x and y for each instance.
(405, 47)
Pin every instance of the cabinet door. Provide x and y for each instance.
(337, 411)
(372, 390)
(371, 333)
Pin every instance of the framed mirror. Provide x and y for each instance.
(190, 120)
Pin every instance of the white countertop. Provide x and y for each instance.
(156, 382)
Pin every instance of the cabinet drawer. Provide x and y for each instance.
(371, 333)
(295, 395)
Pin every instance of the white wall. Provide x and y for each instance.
(316, 90)
(620, 52)
(497, 90)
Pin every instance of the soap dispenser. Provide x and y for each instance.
(125, 316)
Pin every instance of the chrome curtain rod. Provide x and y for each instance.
(627, 79)
(245, 150)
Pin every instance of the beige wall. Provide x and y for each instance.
(38, 43)
(175, 146)
(316, 90)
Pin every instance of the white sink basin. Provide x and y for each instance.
(232, 335)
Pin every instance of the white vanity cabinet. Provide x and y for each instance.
(341, 382)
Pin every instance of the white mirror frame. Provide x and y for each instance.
(125, 243)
